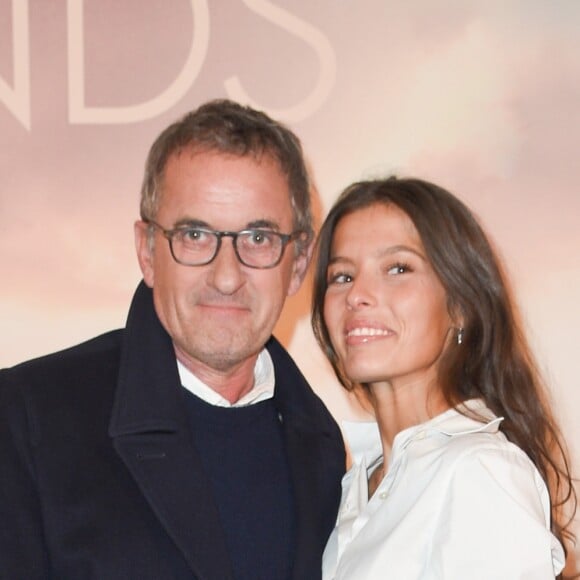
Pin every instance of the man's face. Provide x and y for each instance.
(220, 315)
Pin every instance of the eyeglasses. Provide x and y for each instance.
(197, 246)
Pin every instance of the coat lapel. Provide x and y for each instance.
(151, 434)
(303, 452)
(316, 458)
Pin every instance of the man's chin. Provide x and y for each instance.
(223, 310)
(219, 355)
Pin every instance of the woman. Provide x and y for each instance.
(410, 304)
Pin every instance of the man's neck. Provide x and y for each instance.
(231, 383)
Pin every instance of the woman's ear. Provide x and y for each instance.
(457, 323)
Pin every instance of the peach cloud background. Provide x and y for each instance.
(480, 96)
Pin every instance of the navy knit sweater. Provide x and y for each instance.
(244, 457)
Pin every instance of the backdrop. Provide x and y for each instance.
(480, 96)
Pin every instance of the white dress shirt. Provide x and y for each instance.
(263, 389)
(458, 502)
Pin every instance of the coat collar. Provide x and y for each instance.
(148, 381)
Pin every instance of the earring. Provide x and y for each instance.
(459, 335)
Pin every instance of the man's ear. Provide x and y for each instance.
(300, 267)
(144, 247)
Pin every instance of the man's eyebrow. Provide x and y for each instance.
(263, 224)
(197, 223)
(190, 223)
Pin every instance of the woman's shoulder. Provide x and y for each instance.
(467, 441)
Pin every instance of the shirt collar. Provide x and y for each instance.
(454, 423)
(364, 441)
(262, 390)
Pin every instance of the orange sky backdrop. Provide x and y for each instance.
(482, 97)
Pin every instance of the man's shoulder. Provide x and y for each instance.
(81, 360)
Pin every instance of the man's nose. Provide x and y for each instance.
(226, 272)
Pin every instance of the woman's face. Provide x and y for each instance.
(385, 309)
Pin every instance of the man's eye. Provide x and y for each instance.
(260, 238)
(194, 236)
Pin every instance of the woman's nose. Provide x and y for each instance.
(361, 294)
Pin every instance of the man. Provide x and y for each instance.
(187, 445)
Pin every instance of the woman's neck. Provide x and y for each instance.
(400, 407)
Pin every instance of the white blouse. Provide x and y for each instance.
(458, 502)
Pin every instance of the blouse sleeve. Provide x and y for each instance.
(495, 521)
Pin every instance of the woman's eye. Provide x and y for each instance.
(398, 269)
(339, 278)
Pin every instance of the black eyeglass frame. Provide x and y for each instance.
(169, 234)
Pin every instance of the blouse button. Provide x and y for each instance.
(383, 494)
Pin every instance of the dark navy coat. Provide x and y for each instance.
(99, 478)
